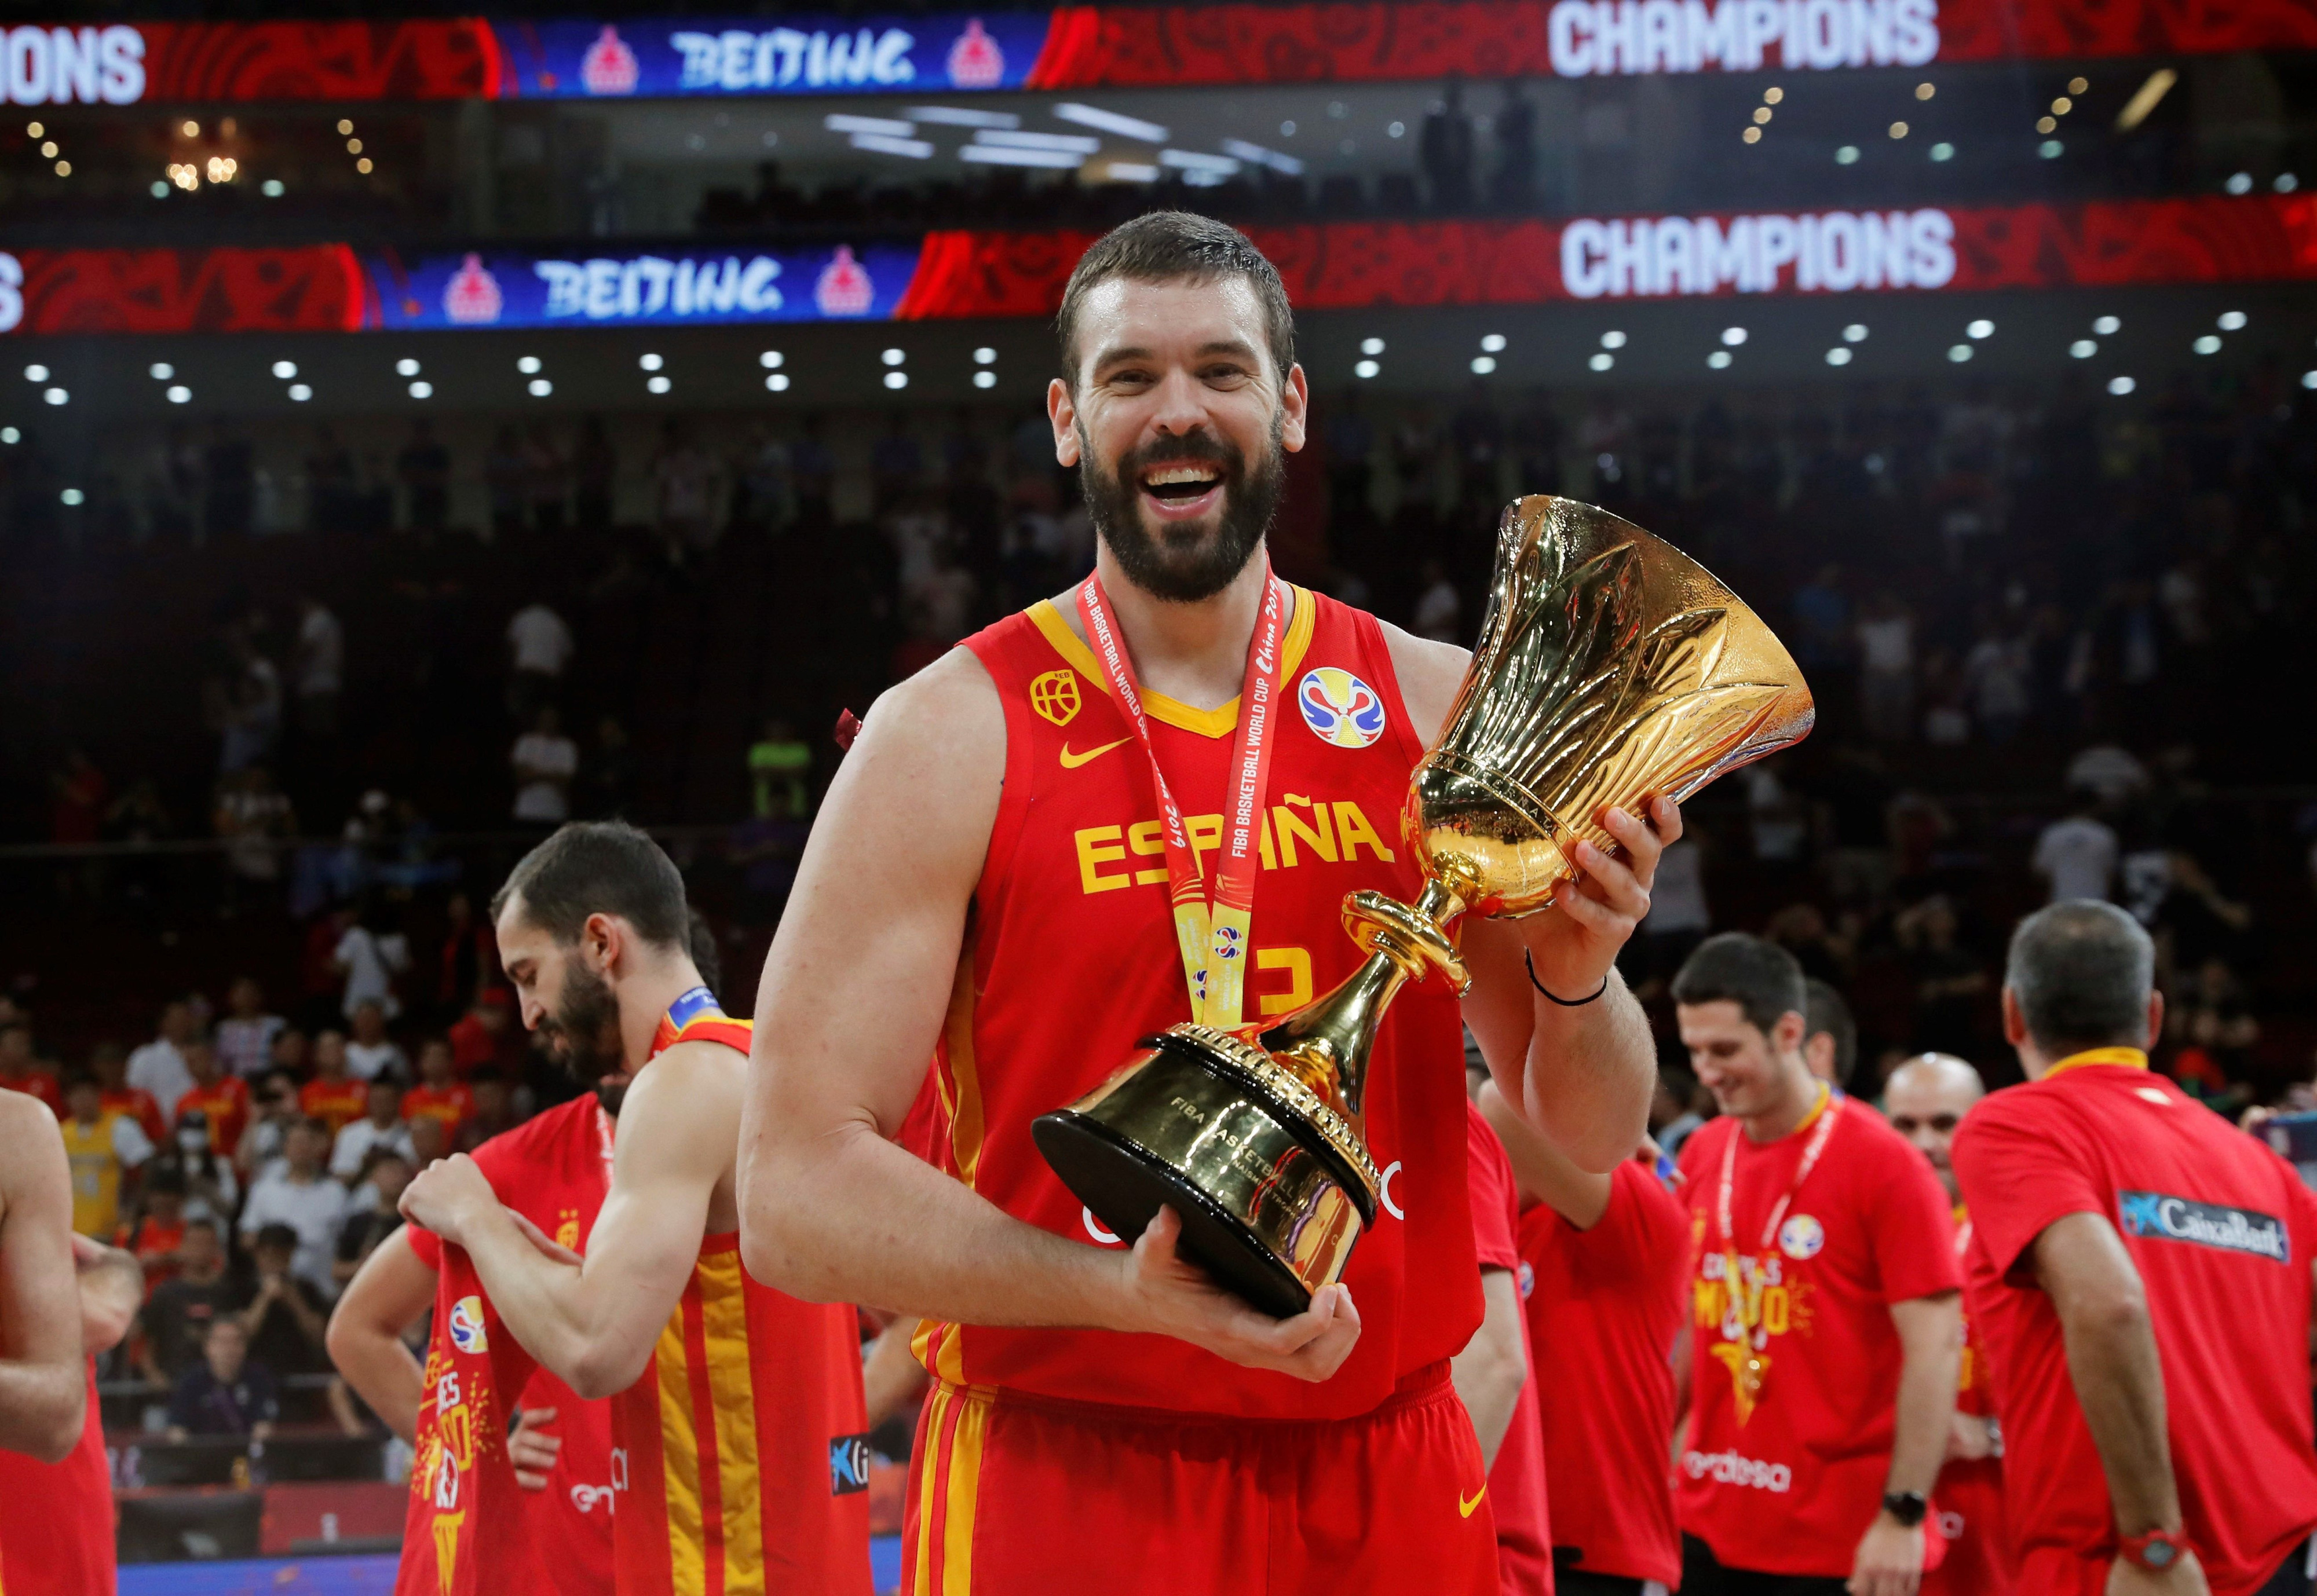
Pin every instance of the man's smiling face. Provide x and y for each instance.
(1177, 420)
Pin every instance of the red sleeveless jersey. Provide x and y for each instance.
(740, 1457)
(55, 1519)
(471, 1529)
(1072, 957)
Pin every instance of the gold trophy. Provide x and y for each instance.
(1611, 667)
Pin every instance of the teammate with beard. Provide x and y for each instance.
(989, 882)
(536, 1514)
(738, 1453)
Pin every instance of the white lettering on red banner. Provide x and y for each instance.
(65, 66)
(1830, 252)
(1609, 38)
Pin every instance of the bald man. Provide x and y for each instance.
(1927, 1098)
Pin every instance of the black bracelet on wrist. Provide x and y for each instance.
(1566, 1003)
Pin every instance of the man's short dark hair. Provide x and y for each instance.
(598, 866)
(1177, 246)
(1762, 979)
(1827, 1011)
(277, 1236)
(2082, 972)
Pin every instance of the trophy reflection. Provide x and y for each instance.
(1611, 667)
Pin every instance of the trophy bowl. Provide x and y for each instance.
(1610, 668)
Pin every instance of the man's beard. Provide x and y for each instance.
(1184, 562)
(583, 1035)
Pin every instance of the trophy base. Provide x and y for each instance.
(1269, 1200)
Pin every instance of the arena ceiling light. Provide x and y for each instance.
(2285, 182)
(541, 388)
(299, 393)
(894, 357)
(1614, 339)
(2232, 321)
(1839, 355)
(985, 380)
(36, 373)
(1367, 369)
(1483, 364)
(1719, 359)
(1981, 328)
(2121, 385)
(1733, 336)
(772, 359)
(528, 365)
(2051, 149)
(1855, 333)
(650, 363)
(1110, 121)
(2144, 99)
(956, 116)
(897, 380)
(778, 383)
(11, 435)
(1943, 151)
(422, 390)
(1131, 172)
(1959, 353)
(406, 367)
(1493, 343)
(178, 395)
(658, 385)
(56, 396)
(1846, 156)
(988, 155)
(2083, 349)
(2210, 344)
(1074, 143)
(1371, 346)
(160, 370)
(1602, 362)
(1255, 154)
(885, 126)
(2308, 379)
(914, 149)
(985, 356)
(285, 369)
(270, 188)
(2107, 326)
(72, 498)
(1191, 160)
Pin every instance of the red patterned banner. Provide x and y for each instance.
(453, 59)
(1329, 266)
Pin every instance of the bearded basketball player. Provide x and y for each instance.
(992, 881)
(736, 1420)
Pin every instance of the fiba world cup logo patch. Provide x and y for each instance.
(1339, 708)
(1802, 1237)
(467, 1325)
(1055, 696)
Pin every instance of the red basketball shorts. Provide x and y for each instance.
(1011, 1494)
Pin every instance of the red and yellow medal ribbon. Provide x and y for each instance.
(1210, 931)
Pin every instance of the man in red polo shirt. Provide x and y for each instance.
(2141, 1273)
(1610, 1260)
(1496, 1373)
(1826, 1319)
(1926, 1099)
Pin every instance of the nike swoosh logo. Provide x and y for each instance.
(1071, 761)
(1464, 1507)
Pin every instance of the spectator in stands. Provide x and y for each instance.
(1886, 668)
(275, 1105)
(374, 1215)
(287, 1315)
(424, 468)
(1444, 151)
(336, 1096)
(178, 1314)
(468, 961)
(539, 646)
(1677, 1107)
(317, 670)
(159, 1066)
(225, 1393)
(291, 1051)
(485, 1036)
(688, 495)
(157, 1239)
(370, 955)
(23, 1070)
(430, 1140)
(2077, 855)
(545, 762)
(372, 1052)
(105, 1151)
(1679, 918)
(494, 1112)
(439, 1093)
(1949, 980)
(381, 1126)
(255, 821)
(211, 1190)
(298, 1193)
(506, 478)
(221, 1100)
(1829, 1035)
(246, 1036)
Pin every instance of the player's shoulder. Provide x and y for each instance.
(946, 712)
(22, 1114)
(524, 1147)
(1429, 672)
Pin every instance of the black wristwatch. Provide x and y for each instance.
(1906, 1506)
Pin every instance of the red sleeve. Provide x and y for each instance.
(1910, 1222)
(1494, 1198)
(493, 1158)
(2017, 1179)
(426, 1244)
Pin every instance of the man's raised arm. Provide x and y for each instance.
(851, 1006)
(43, 1390)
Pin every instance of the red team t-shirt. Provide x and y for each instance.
(1072, 958)
(1517, 1493)
(226, 1106)
(472, 1530)
(336, 1103)
(55, 1519)
(1970, 1493)
(1607, 1305)
(1789, 1482)
(2223, 1234)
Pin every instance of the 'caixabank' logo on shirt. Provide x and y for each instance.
(2157, 1217)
